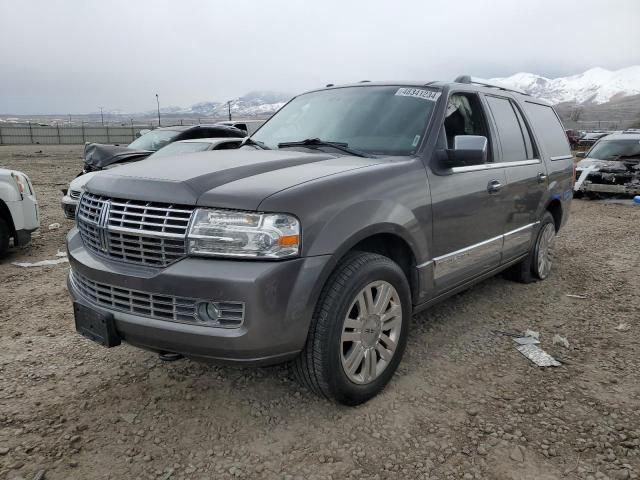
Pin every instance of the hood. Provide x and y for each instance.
(595, 164)
(238, 179)
(98, 155)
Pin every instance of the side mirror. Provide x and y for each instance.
(581, 154)
(467, 150)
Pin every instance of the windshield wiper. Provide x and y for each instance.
(316, 142)
(251, 141)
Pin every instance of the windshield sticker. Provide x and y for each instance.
(416, 139)
(418, 93)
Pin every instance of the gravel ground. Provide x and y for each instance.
(463, 405)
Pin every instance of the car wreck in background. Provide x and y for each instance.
(76, 187)
(611, 167)
(98, 156)
(589, 139)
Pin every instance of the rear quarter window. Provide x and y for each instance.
(550, 131)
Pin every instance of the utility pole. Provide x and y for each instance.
(158, 102)
(229, 108)
(101, 115)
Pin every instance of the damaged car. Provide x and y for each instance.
(611, 167)
(76, 187)
(98, 156)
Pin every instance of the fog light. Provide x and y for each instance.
(208, 312)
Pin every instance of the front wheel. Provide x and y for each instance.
(359, 330)
(5, 234)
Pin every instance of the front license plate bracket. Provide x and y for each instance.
(97, 326)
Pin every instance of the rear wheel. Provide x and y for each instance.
(5, 234)
(359, 330)
(537, 265)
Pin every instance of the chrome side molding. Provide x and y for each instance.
(476, 253)
(491, 166)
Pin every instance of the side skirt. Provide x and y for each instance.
(449, 293)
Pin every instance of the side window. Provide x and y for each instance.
(526, 134)
(549, 129)
(512, 138)
(465, 116)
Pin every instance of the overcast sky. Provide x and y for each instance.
(59, 56)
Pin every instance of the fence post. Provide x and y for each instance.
(1, 142)
(58, 129)
(108, 134)
(30, 134)
(84, 140)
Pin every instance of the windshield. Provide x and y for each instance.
(180, 147)
(154, 140)
(614, 149)
(376, 120)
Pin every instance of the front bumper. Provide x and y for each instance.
(25, 213)
(69, 206)
(279, 299)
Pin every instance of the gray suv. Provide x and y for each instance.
(351, 209)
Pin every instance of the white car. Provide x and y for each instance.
(181, 147)
(19, 215)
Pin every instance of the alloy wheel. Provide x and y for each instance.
(371, 332)
(545, 250)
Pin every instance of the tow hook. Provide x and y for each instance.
(169, 356)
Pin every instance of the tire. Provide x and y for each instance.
(5, 233)
(537, 265)
(349, 355)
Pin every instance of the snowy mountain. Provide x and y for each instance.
(249, 105)
(596, 85)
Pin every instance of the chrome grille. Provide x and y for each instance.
(160, 307)
(134, 231)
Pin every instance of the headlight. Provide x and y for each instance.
(225, 233)
(22, 183)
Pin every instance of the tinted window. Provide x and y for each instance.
(549, 129)
(213, 132)
(378, 120)
(509, 131)
(526, 133)
(615, 149)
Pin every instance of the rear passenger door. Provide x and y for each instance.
(526, 175)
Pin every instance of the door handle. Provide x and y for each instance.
(541, 177)
(494, 186)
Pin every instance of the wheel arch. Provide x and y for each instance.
(554, 207)
(388, 240)
(5, 214)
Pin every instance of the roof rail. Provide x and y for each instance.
(486, 83)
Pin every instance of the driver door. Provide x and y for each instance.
(468, 202)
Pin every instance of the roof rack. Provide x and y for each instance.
(486, 83)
